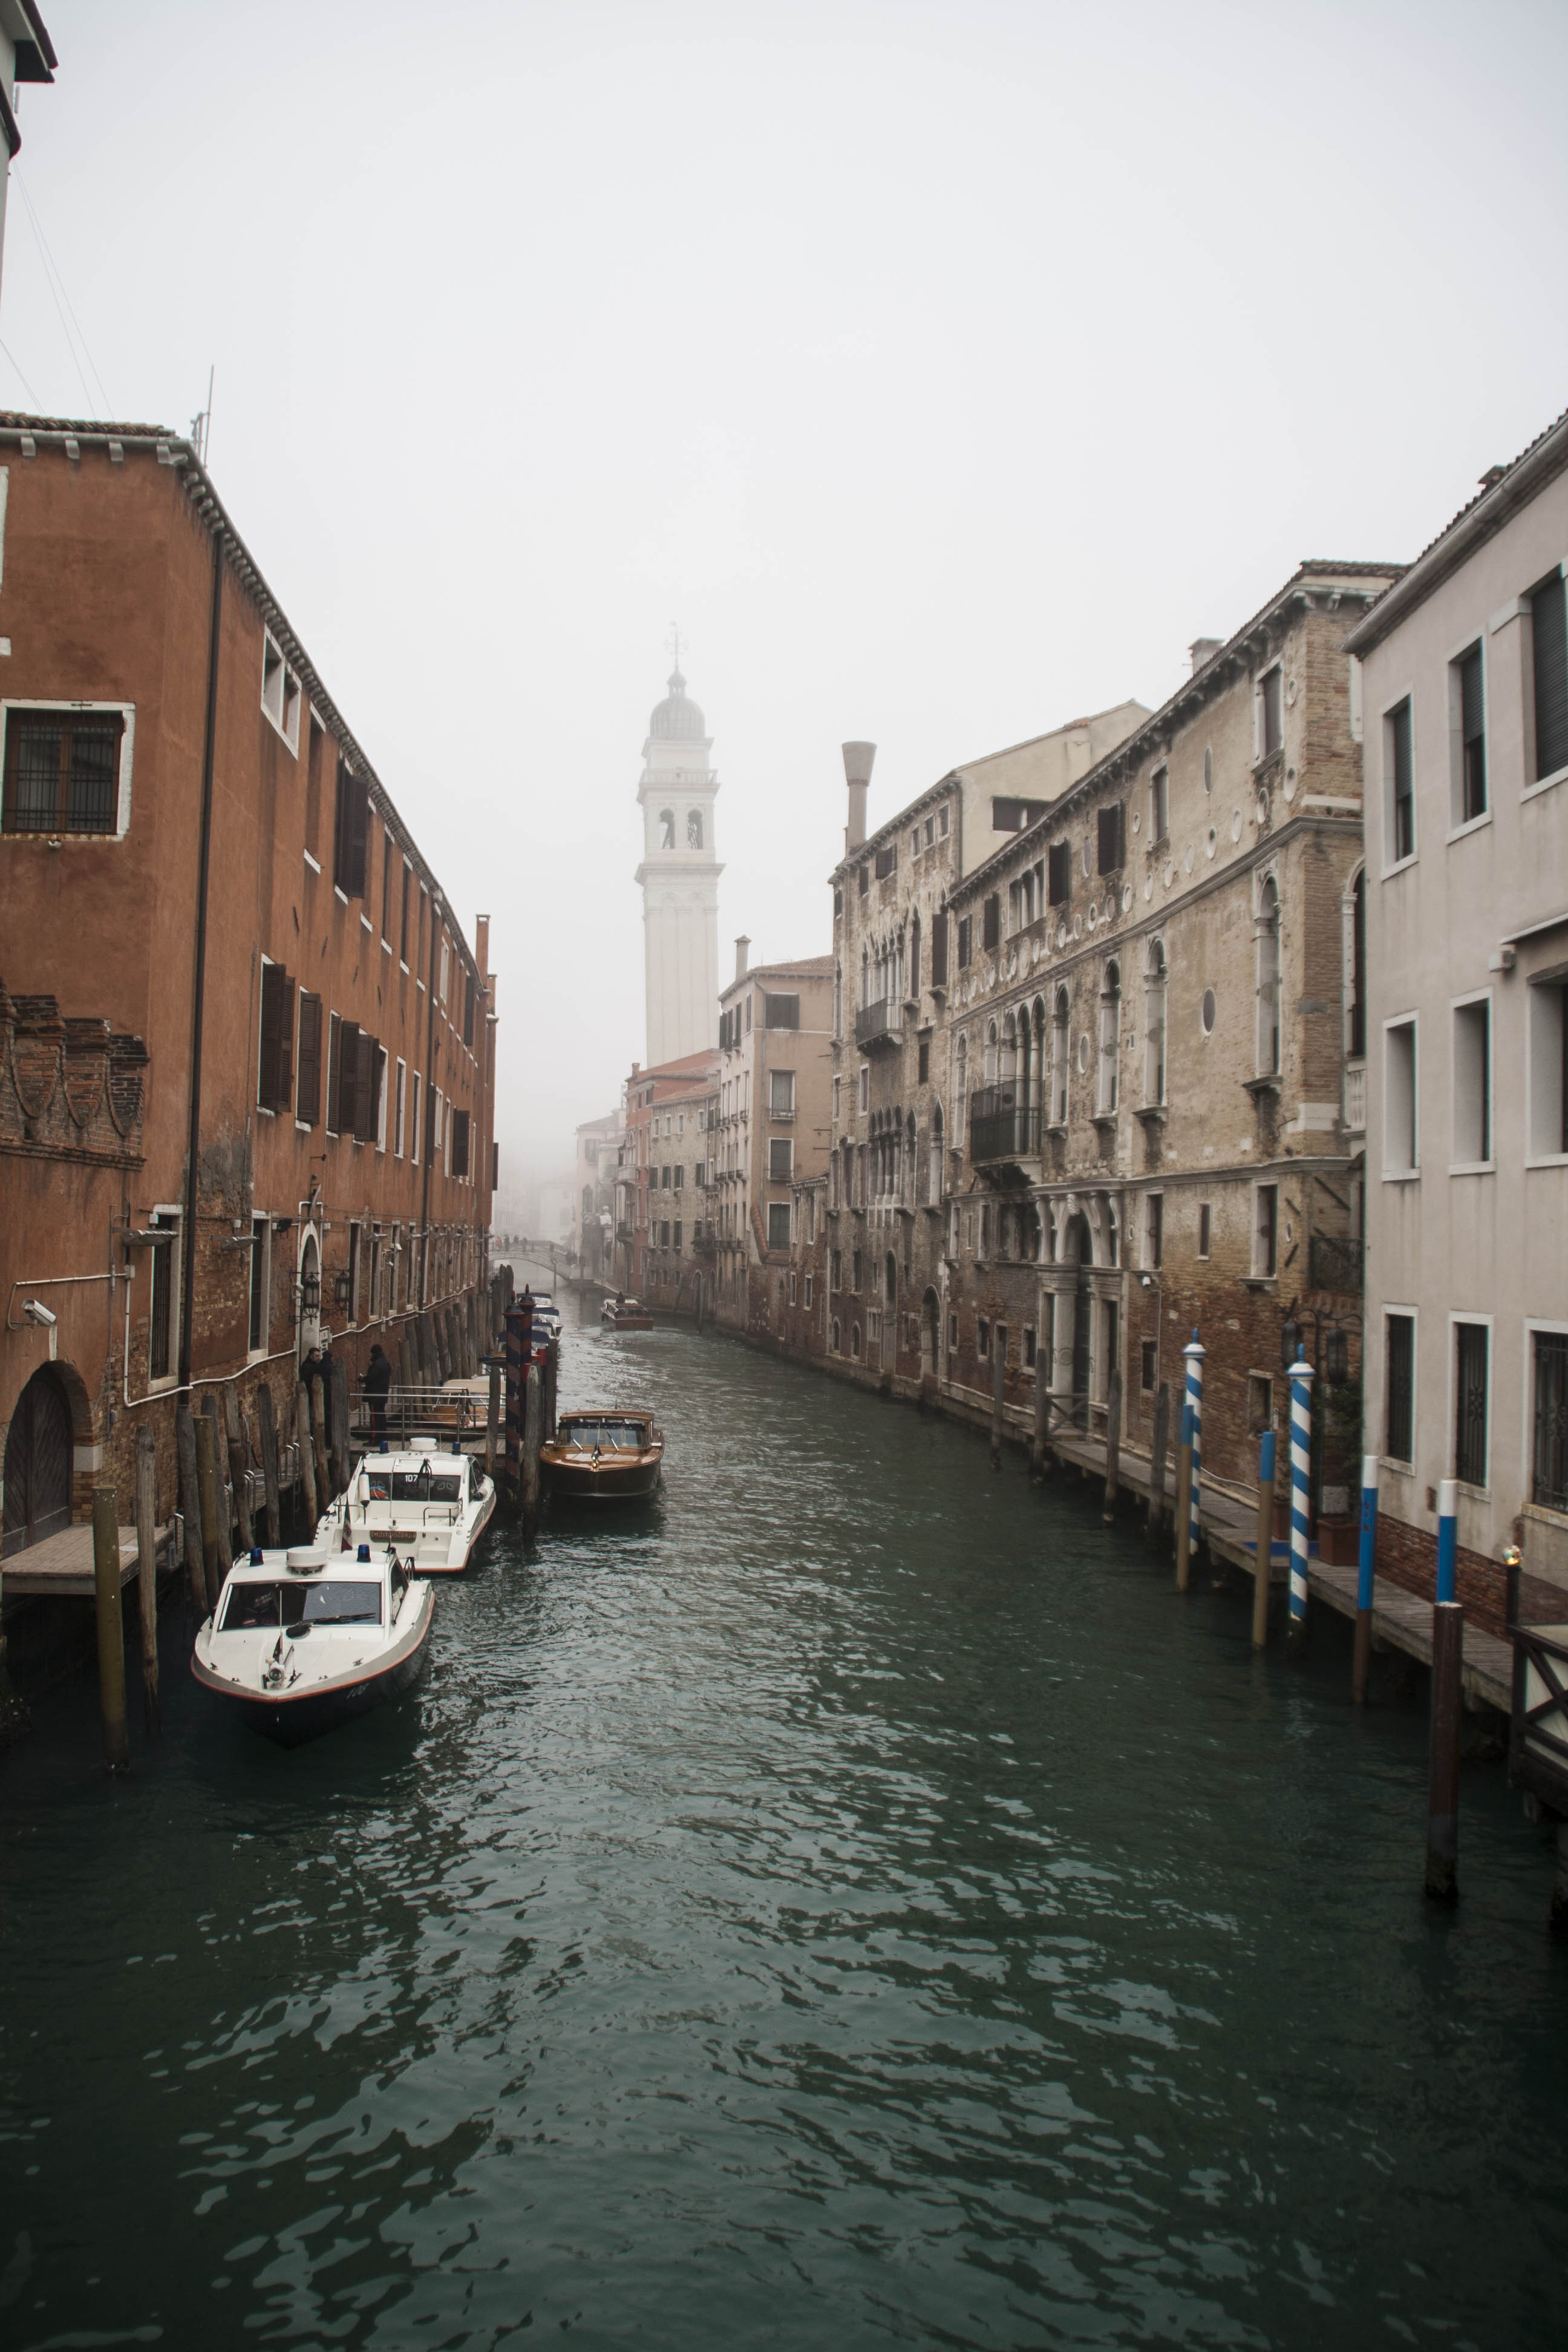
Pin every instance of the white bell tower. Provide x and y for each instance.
(679, 878)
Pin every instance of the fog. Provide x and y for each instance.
(941, 369)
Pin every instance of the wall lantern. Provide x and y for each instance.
(1289, 1341)
(311, 1289)
(1337, 1356)
(343, 1287)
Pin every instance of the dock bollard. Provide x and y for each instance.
(1361, 1661)
(1154, 1529)
(1443, 1779)
(147, 1571)
(1184, 1500)
(1263, 1559)
(111, 1627)
(1448, 1537)
(1300, 1493)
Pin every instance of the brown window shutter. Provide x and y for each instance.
(272, 1025)
(938, 951)
(283, 1074)
(992, 913)
(365, 1061)
(459, 1143)
(307, 1096)
(341, 1119)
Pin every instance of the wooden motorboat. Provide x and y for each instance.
(306, 1639)
(625, 1315)
(429, 1503)
(602, 1455)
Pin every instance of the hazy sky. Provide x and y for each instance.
(944, 369)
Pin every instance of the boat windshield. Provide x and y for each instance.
(254, 1606)
(627, 1436)
(413, 1487)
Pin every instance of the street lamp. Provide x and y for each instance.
(1290, 1342)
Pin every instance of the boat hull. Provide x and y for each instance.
(579, 1482)
(290, 1718)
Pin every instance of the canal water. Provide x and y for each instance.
(857, 1904)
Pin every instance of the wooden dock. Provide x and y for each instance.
(62, 1565)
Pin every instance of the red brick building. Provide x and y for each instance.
(249, 1082)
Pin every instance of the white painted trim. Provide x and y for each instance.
(1406, 1466)
(1457, 1315)
(314, 863)
(127, 744)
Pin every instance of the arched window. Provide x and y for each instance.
(838, 1000)
(694, 828)
(936, 1166)
(1007, 1059)
(837, 1337)
(1268, 980)
(914, 955)
(1061, 1048)
(907, 1174)
(1110, 1038)
(890, 1279)
(855, 1340)
(667, 828)
(1154, 1024)
(992, 1042)
(865, 978)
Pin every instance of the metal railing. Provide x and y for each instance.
(1001, 1128)
(879, 1024)
(419, 1412)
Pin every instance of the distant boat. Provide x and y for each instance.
(604, 1455)
(304, 1640)
(430, 1504)
(625, 1315)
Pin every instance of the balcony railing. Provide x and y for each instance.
(1334, 1261)
(881, 1024)
(1000, 1128)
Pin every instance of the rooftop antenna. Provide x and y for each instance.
(201, 426)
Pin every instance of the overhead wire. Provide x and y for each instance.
(26, 387)
(61, 297)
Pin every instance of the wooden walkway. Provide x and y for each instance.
(63, 1564)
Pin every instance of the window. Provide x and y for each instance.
(855, 1271)
(678, 1178)
(939, 951)
(1473, 1083)
(838, 1339)
(863, 1100)
(667, 828)
(1399, 1104)
(1029, 1349)
(1549, 664)
(1158, 806)
(791, 1294)
(1154, 1230)
(694, 828)
(164, 1285)
(387, 862)
(983, 1338)
(1548, 1073)
(778, 1225)
(1472, 1346)
(397, 1128)
(781, 1159)
(676, 1242)
(1059, 869)
(1467, 712)
(1549, 1472)
(886, 860)
(1060, 1058)
(991, 916)
(865, 880)
(1205, 1227)
(1267, 951)
(922, 1071)
(1357, 1039)
(836, 1270)
(1154, 1024)
(781, 1013)
(404, 942)
(1399, 1410)
(471, 999)
(260, 1282)
(62, 771)
(965, 940)
(809, 1287)
(280, 691)
(352, 832)
(1266, 1230)
(1109, 1083)
(664, 1178)
(1013, 815)
(748, 1015)
(855, 1340)
(275, 1072)
(1110, 826)
(316, 741)
(418, 1118)
(1399, 786)
(1208, 1012)
(1147, 1365)
(308, 1074)
(461, 1143)
(1259, 1404)
(1270, 712)
(941, 822)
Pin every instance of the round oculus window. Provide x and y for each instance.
(1208, 1011)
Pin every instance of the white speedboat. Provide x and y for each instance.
(430, 1504)
(306, 1639)
(546, 1311)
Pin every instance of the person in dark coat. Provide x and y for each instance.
(378, 1385)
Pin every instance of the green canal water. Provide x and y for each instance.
(858, 1903)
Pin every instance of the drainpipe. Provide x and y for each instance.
(204, 860)
(429, 1099)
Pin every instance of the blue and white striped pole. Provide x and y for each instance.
(1301, 1488)
(1362, 1659)
(1447, 1537)
(1193, 1354)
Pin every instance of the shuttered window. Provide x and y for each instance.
(1548, 634)
(965, 940)
(1399, 1421)
(1109, 828)
(938, 951)
(1401, 774)
(352, 832)
(886, 861)
(1472, 736)
(991, 912)
(275, 1074)
(459, 1143)
(782, 1012)
(367, 1086)
(469, 997)
(308, 1092)
(1060, 864)
(341, 1079)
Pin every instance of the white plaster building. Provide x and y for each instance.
(680, 878)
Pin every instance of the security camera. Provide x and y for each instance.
(37, 1312)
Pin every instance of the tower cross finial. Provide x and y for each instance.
(675, 642)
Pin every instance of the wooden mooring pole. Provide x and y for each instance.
(1040, 1433)
(238, 1466)
(190, 1502)
(492, 1419)
(1443, 1778)
(111, 1627)
(551, 1380)
(208, 1486)
(304, 1439)
(1361, 1660)
(147, 1572)
(1262, 1548)
(271, 1508)
(1184, 1503)
(1113, 1447)
(532, 1417)
(1154, 1529)
(998, 1383)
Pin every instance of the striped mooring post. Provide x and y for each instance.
(1447, 1537)
(1193, 1354)
(1301, 1377)
(1361, 1661)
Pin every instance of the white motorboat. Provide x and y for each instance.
(305, 1639)
(546, 1311)
(429, 1503)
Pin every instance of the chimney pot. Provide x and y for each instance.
(743, 948)
(1202, 649)
(857, 758)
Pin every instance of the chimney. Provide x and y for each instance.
(1202, 649)
(635, 1068)
(857, 758)
(742, 946)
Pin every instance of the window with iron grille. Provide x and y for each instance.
(275, 1072)
(62, 771)
(1399, 1412)
(1059, 864)
(1549, 647)
(1468, 701)
(1399, 767)
(1549, 1484)
(164, 1284)
(1471, 1343)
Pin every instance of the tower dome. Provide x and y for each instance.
(677, 720)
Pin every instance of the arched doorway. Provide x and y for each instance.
(929, 1313)
(39, 1449)
(310, 1293)
(1077, 1250)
